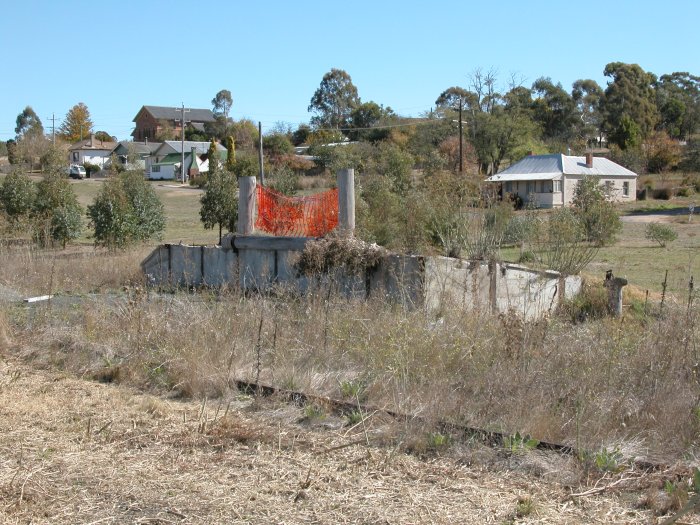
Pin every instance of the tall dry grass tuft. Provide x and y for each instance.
(32, 271)
(594, 384)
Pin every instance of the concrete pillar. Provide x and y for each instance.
(614, 286)
(346, 200)
(246, 205)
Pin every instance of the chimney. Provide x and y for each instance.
(589, 160)
(92, 140)
(530, 153)
(194, 169)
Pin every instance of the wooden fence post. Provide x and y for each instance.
(346, 201)
(246, 205)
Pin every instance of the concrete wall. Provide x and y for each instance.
(261, 263)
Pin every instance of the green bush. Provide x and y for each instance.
(127, 210)
(599, 217)
(660, 233)
(17, 195)
(284, 180)
(56, 213)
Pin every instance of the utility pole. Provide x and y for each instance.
(183, 122)
(53, 128)
(461, 138)
(260, 155)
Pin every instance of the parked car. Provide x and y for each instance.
(76, 171)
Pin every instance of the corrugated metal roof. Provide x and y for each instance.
(201, 147)
(548, 167)
(171, 113)
(601, 166)
(138, 147)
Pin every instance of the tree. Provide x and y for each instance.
(597, 214)
(165, 132)
(213, 158)
(77, 124)
(56, 212)
(554, 110)
(17, 195)
(334, 100)
(127, 210)
(219, 203)
(28, 124)
(230, 153)
(222, 103)
(277, 144)
(587, 96)
(660, 233)
(661, 152)
(105, 137)
(629, 101)
(11, 146)
(678, 100)
(367, 115)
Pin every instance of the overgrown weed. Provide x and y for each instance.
(583, 384)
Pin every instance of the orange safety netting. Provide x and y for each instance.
(311, 216)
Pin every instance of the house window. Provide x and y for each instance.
(556, 186)
(626, 189)
(530, 187)
(155, 169)
(509, 187)
(76, 157)
(608, 188)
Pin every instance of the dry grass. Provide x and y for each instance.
(599, 384)
(79, 451)
(73, 451)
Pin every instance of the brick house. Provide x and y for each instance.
(150, 120)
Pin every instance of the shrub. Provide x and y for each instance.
(660, 233)
(56, 212)
(665, 193)
(127, 210)
(284, 180)
(219, 204)
(599, 217)
(91, 168)
(17, 195)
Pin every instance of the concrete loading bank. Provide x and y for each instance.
(251, 262)
(256, 263)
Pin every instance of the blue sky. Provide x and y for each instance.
(117, 56)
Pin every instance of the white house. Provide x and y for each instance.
(548, 181)
(91, 150)
(168, 157)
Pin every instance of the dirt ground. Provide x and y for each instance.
(77, 451)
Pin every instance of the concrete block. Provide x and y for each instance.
(156, 267)
(185, 265)
(219, 267)
(257, 269)
(399, 278)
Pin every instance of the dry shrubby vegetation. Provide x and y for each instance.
(601, 383)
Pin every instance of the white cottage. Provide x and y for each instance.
(548, 181)
(92, 150)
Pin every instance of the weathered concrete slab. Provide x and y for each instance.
(528, 293)
(219, 267)
(399, 278)
(185, 265)
(456, 283)
(263, 263)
